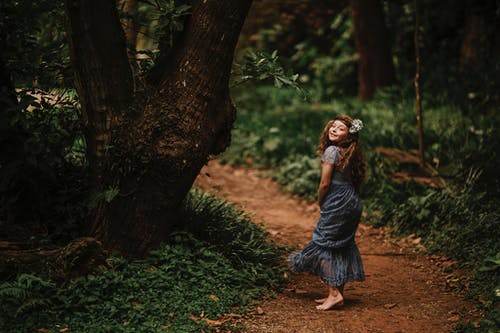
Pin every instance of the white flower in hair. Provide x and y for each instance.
(356, 126)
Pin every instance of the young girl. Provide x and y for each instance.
(332, 254)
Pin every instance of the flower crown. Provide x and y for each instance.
(356, 126)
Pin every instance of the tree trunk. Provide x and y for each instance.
(471, 45)
(8, 98)
(130, 28)
(146, 148)
(375, 66)
(416, 82)
(129, 9)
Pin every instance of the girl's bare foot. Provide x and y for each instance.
(322, 300)
(331, 302)
(335, 298)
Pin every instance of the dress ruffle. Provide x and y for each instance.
(335, 266)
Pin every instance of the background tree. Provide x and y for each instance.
(375, 66)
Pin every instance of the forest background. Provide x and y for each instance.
(50, 194)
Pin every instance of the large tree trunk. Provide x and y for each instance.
(150, 145)
(375, 66)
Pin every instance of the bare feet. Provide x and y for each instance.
(322, 300)
(331, 302)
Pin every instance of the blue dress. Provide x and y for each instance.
(333, 254)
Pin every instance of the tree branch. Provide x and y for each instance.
(208, 45)
(103, 77)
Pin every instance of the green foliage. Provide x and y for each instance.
(23, 295)
(237, 238)
(315, 38)
(171, 18)
(260, 66)
(33, 43)
(218, 263)
(42, 168)
(299, 174)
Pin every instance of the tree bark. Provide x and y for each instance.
(103, 77)
(129, 9)
(375, 66)
(8, 97)
(130, 28)
(416, 82)
(150, 146)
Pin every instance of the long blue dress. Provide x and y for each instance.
(333, 254)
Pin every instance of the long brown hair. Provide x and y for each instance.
(351, 152)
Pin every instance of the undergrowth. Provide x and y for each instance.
(218, 263)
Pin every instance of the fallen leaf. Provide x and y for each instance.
(300, 291)
(482, 300)
(454, 318)
(260, 311)
(214, 298)
(63, 330)
(233, 315)
(390, 305)
(214, 323)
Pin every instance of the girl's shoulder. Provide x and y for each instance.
(332, 149)
(330, 154)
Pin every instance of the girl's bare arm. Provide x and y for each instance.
(326, 177)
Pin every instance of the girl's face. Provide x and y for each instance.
(338, 131)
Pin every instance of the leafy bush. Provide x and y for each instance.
(42, 170)
(299, 175)
(219, 263)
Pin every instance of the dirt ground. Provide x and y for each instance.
(404, 291)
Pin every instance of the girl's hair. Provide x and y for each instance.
(351, 152)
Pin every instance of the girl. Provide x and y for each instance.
(332, 254)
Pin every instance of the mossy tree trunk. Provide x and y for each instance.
(371, 37)
(146, 145)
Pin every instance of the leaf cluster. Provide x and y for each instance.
(261, 66)
(42, 167)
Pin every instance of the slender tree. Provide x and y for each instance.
(416, 81)
(375, 66)
(147, 145)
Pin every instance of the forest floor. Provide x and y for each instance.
(405, 290)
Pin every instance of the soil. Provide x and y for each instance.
(405, 290)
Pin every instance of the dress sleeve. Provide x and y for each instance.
(330, 155)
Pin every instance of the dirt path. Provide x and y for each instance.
(404, 291)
